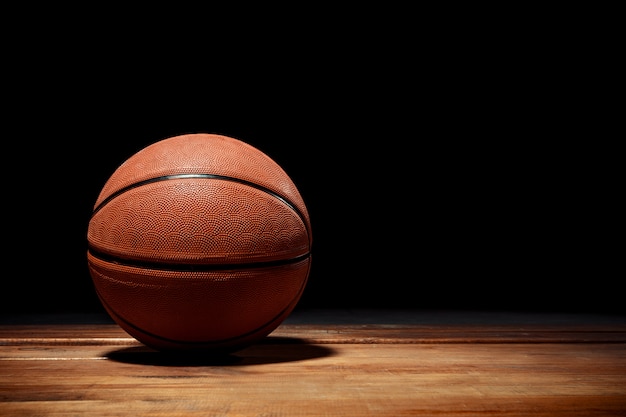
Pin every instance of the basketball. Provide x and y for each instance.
(199, 242)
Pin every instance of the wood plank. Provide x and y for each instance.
(316, 333)
(321, 370)
(344, 379)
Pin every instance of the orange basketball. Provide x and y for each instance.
(199, 241)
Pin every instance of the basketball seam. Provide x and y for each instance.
(189, 267)
(202, 176)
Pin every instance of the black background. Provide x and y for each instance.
(447, 167)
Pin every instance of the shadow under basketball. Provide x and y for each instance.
(270, 350)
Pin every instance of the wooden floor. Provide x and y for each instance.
(326, 363)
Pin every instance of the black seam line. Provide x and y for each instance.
(186, 267)
(205, 176)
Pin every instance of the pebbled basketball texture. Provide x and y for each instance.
(199, 242)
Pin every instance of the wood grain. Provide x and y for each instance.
(395, 370)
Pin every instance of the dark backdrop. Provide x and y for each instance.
(468, 173)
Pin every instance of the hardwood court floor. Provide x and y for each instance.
(326, 363)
